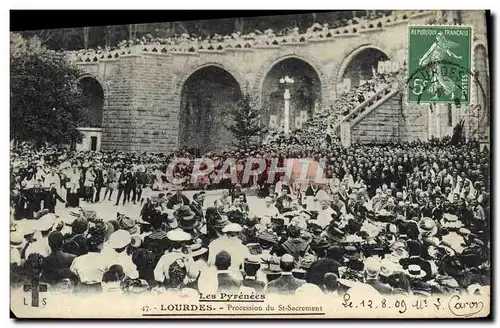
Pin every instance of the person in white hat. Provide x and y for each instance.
(179, 238)
(372, 271)
(17, 243)
(325, 211)
(73, 175)
(52, 177)
(270, 210)
(115, 252)
(230, 243)
(43, 228)
(89, 268)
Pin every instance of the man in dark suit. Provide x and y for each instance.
(196, 207)
(56, 266)
(251, 266)
(415, 257)
(372, 270)
(286, 284)
(99, 182)
(283, 202)
(51, 198)
(122, 183)
(319, 268)
(177, 199)
(226, 283)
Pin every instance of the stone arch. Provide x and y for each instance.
(306, 92)
(95, 93)
(194, 67)
(299, 54)
(86, 72)
(348, 56)
(206, 97)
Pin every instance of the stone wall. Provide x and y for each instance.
(143, 88)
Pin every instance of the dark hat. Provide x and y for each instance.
(186, 218)
(320, 244)
(278, 221)
(335, 234)
(126, 223)
(299, 273)
(452, 265)
(221, 221)
(252, 260)
(313, 225)
(267, 236)
(351, 252)
(293, 231)
(414, 248)
(184, 212)
(236, 217)
(252, 221)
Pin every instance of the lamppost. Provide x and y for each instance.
(285, 81)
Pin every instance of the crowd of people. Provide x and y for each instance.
(193, 42)
(320, 131)
(406, 218)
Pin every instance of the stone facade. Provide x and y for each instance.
(143, 88)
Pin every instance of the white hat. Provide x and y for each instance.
(68, 219)
(25, 226)
(16, 238)
(119, 239)
(178, 235)
(477, 288)
(372, 267)
(450, 217)
(309, 290)
(46, 222)
(232, 227)
(15, 256)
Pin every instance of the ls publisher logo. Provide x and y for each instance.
(36, 288)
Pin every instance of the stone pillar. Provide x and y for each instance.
(287, 111)
(345, 134)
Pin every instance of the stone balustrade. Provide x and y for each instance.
(189, 47)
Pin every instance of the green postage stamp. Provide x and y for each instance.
(439, 64)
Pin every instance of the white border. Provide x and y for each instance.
(200, 4)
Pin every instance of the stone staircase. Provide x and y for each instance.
(343, 128)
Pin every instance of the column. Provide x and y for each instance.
(286, 96)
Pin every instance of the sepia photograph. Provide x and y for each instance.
(282, 165)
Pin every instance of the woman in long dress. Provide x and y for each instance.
(434, 57)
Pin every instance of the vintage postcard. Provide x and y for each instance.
(309, 165)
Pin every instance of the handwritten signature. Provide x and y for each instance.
(463, 308)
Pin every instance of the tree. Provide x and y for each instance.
(47, 104)
(247, 124)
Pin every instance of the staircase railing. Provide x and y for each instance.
(381, 98)
(365, 105)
